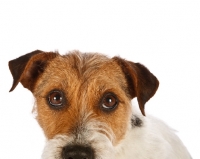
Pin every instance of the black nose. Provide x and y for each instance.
(77, 152)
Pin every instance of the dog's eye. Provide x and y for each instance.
(56, 99)
(109, 101)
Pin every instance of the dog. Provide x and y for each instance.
(83, 105)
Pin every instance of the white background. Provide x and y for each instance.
(164, 35)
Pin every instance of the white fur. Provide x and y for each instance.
(89, 134)
(153, 140)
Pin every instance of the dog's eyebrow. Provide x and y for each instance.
(40, 96)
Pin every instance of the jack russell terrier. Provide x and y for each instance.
(83, 105)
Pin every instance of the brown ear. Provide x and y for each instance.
(141, 82)
(27, 68)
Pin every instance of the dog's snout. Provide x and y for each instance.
(77, 152)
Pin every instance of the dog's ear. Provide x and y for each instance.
(141, 82)
(27, 68)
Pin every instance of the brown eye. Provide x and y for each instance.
(56, 99)
(109, 101)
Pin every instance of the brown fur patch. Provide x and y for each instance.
(84, 78)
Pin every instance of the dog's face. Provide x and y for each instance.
(83, 100)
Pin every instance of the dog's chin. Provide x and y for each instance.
(100, 144)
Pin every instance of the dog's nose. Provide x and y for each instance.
(77, 152)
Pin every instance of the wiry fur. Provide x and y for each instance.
(84, 79)
(154, 140)
(90, 135)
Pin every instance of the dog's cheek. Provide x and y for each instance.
(54, 122)
(119, 121)
(45, 118)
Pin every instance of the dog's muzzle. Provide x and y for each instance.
(77, 152)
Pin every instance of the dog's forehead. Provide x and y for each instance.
(86, 65)
(83, 68)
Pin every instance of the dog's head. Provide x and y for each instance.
(83, 99)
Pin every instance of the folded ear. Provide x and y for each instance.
(141, 82)
(27, 68)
